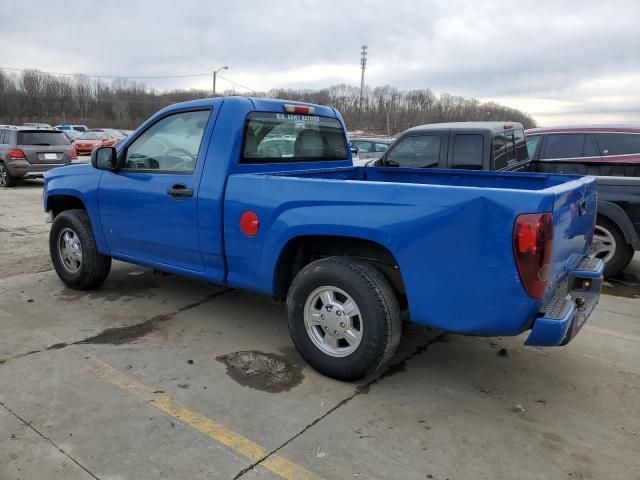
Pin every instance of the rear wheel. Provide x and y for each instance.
(610, 246)
(344, 317)
(74, 252)
(6, 180)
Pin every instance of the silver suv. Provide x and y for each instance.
(31, 152)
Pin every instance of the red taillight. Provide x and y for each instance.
(299, 109)
(16, 154)
(74, 153)
(249, 223)
(532, 248)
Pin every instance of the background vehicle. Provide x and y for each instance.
(93, 139)
(72, 135)
(369, 148)
(612, 154)
(459, 145)
(605, 151)
(66, 127)
(31, 152)
(192, 192)
(36, 125)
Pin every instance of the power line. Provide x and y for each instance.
(109, 76)
(236, 83)
(130, 77)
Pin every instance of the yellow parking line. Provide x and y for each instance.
(221, 434)
(606, 331)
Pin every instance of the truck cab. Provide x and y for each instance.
(459, 145)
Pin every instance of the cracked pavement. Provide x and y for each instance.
(448, 406)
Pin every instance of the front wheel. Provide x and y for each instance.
(344, 317)
(610, 246)
(74, 252)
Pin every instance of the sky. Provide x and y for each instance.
(561, 61)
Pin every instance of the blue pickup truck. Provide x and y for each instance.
(261, 194)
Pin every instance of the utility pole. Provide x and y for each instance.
(363, 66)
(215, 73)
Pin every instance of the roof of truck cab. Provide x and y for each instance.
(608, 128)
(259, 104)
(493, 127)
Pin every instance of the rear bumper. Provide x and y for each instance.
(22, 168)
(564, 314)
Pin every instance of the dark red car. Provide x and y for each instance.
(85, 144)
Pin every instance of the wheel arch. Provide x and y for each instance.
(619, 217)
(60, 202)
(301, 250)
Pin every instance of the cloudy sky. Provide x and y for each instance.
(562, 61)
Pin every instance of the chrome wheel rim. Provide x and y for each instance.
(603, 245)
(3, 176)
(69, 250)
(333, 321)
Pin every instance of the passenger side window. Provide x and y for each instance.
(499, 151)
(381, 147)
(169, 145)
(532, 144)
(618, 143)
(419, 151)
(521, 146)
(468, 151)
(2, 135)
(563, 145)
(363, 147)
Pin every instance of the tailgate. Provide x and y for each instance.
(574, 216)
(40, 154)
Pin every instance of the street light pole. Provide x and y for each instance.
(215, 73)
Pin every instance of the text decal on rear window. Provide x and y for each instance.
(281, 137)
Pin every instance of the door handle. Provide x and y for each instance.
(180, 191)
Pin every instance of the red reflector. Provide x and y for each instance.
(16, 154)
(249, 223)
(299, 109)
(532, 249)
(74, 153)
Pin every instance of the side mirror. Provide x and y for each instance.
(104, 158)
(354, 151)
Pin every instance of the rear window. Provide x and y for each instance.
(618, 143)
(467, 151)
(283, 137)
(42, 138)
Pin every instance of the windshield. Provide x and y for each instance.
(43, 138)
(90, 136)
(280, 137)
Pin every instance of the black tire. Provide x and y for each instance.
(624, 252)
(94, 266)
(380, 316)
(6, 180)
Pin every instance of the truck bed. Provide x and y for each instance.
(461, 178)
(443, 228)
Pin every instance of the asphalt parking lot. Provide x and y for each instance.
(139, 380)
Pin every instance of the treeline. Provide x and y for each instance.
(34, 96)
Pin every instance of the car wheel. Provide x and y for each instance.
(6, 180)
(610, 246)
(344, 317)
(74, 252)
